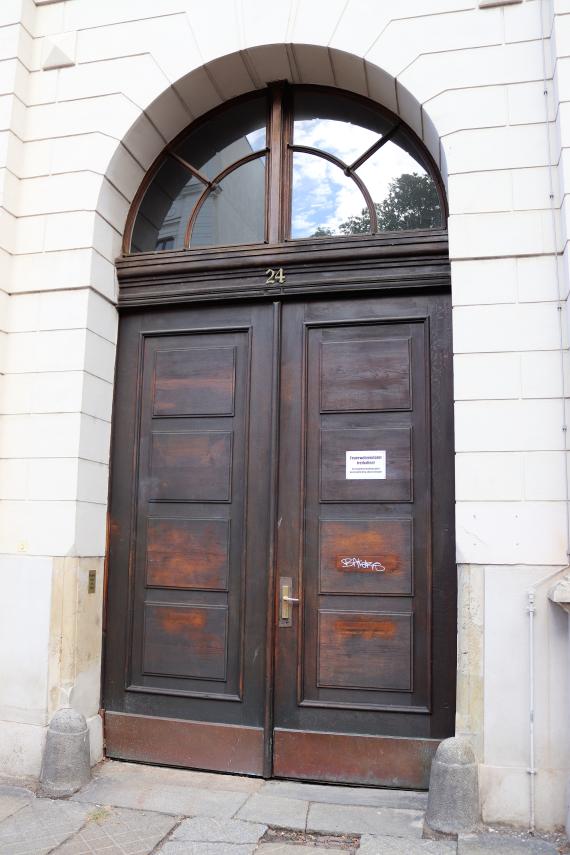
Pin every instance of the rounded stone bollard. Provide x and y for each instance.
(66, 762)
(453, 799)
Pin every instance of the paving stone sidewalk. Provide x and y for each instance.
(130, 809)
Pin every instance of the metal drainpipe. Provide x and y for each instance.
(532, 770)
(531, 609)
(531, 593)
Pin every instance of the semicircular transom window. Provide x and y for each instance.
(287, 164)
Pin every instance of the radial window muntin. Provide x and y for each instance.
(278, 105)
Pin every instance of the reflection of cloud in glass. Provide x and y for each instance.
(322, 195)
(342, 139)
(256, 139)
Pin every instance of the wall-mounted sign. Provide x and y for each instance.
(359, 563)
(366, 465)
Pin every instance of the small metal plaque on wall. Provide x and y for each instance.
(91, 581)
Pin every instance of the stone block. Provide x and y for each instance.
(59, 51)
(41, 827)
(171, 798)
(203, 829)
(66, 760)
(112, 830)
(271, 810)
(402, 846)
(342, 819)
(487, 844)
(13, 799)
(328, 794)
(453, 801)
(177, 847)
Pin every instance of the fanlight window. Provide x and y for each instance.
(287, 164)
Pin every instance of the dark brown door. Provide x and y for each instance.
(266, 451)
(186, 604)
(364, 673)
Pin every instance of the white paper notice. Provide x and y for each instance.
(366, 464)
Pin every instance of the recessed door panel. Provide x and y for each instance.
(185, 640)
(365, 556)
(188, 553)
(364, 650)
(196, 381)
(190, 466)
(370, 374)
(344, 450)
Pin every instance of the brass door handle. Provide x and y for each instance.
(285, 600)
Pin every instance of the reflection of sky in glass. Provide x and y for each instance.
(339, 138)
(322, 195)
(256, 139)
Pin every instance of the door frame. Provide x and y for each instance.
(407, 263)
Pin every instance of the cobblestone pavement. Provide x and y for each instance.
(130, 809)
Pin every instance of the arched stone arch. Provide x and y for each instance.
(206, 86)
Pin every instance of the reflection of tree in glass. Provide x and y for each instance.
(412, 203)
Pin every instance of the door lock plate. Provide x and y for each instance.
(286, 601)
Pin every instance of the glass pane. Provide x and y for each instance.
(404, 194)
(227, 137)
(165, 209)
(337, 124)
(234, 212)
(325, 202)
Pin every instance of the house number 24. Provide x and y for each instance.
(274, 276)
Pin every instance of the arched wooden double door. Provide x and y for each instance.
(281, 585)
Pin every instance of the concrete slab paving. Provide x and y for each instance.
(209, 830)
(173, 800)
(344, 819)
(274, 810)
(116, 831)
(489, 843)
(41, 826)
(166, 776)
(13, 799)
(330, 794)
(297, 849)
(178, 847)
(403, 846)
(130, 809)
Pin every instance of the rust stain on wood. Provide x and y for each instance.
(188, 554)
(363, 627)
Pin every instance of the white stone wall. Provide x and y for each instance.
(91, 92)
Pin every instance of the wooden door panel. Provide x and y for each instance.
(184, 632)
(357, 663)
(394, 442)
(364, 650)
(207, 391)
(358, 648)
(188, 553)
(384, 761)
(185, 641)
(194, 408)
(365, 556)
(190, 467)
(351, 380)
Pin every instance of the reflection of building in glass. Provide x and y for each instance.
(233, 213)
